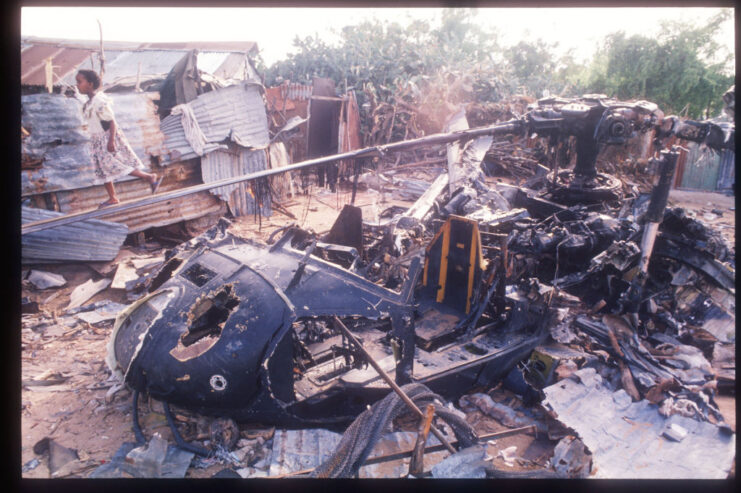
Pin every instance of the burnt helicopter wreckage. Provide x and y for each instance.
(231, 327)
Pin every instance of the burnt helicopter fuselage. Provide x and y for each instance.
(238, 329)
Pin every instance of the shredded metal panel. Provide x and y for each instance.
(91, 240)
(176, 145)
(236, 112)
(626, 438)
(222, 164)
(298, 450)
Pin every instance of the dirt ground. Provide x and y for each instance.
(79, 411)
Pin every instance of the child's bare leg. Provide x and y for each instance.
(111, 191)
(151, 177)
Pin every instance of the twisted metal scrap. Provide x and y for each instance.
(363, 434)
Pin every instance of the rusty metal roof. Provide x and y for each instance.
(241, 46)
(226, 60)
(57, 136)
(64, 61)
(236, 113)
(91, 240)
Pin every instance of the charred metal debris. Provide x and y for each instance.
(456, 291)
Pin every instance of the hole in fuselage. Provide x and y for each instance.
(209, 314)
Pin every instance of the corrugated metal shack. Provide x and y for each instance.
(57, 172)
(233, 125)
(704, 169)
(333, 123)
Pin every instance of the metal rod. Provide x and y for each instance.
(135, 418)
(502, 128)
(392, 384)
(179, 439)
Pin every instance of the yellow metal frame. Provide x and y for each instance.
(475, 251)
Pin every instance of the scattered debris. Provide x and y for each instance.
(468, 463)
(570, 458)
(155, 459)
(508, 455)
(85, 291)
(58, 455)
(108, 310)
(45, 280)
(626, 438)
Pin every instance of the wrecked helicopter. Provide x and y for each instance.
(231, 327)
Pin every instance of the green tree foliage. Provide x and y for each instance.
(682, 69)
(388, 63)
(387, 54)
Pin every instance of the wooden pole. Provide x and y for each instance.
(102, 54)
(417, 464)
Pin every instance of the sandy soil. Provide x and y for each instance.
(79, 413)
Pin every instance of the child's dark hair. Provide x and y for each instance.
(91, 76)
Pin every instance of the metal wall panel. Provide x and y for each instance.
(701, 169)
(180, 175)
(227, 164)
(57, 136)
(727, 171)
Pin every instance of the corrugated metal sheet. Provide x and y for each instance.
(240, 46)
(225, 164)
(56, 127)
(227, 65)
(125, 64)
(296, 92)
(727, 171)
(236, 112)
(137, 116)
(91, 240)
(701, 169)
(178, 176)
